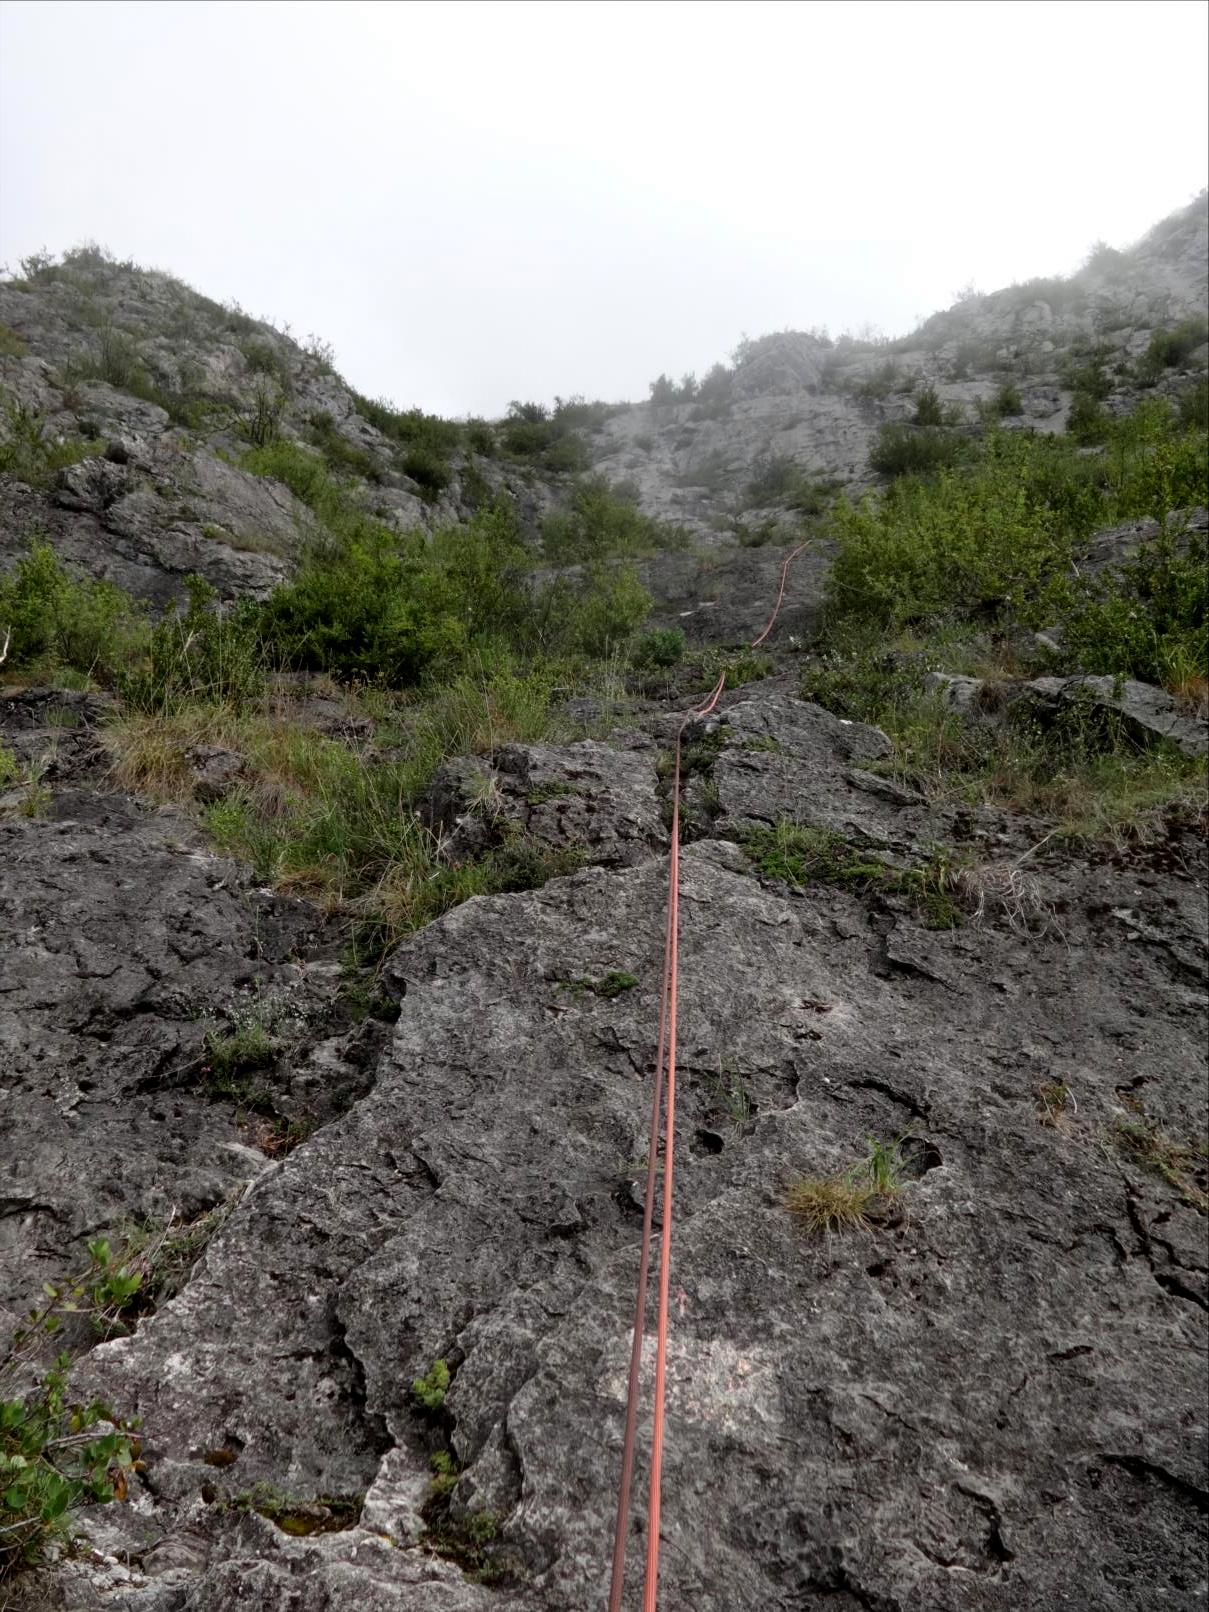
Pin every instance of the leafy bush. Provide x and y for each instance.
(260, 422)
(902, 450)
(531, 431)
(204, 654)
(58, 623)
(662, 647)
(997, 537)
(343, 457)
(30, 454)
(11, 345)
(426, 467)
(598, 523)
(1147, 618)
(590, 613)
(1170, 348)
(55, 1456)
(928, 410)
(1007, 401)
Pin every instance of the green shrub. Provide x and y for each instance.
(997, 538)
(1170, 348)
(1194, 405)
(928, 409)
(662, 647)
(590, 613)
(902, 450)
(28, 453)
(1007, 401)
(1147, 618)
(117, 357)
(206, 654)
(260, 422)
(343, 458)
(598, 523)
(58, 623)
(11, 345)
(532, 432)
(55, 1456)
(426, 467)
(1087, 422)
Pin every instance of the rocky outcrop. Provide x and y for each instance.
(1008, 1372)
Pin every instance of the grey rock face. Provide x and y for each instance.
(118, 935)
(994, 1399)
(1147, 712)
(588, 797)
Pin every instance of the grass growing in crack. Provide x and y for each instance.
(731, 1096)
(848, 1202)
(1055, 1103)
(1182, 1165)
(610, 985)
(801, 855)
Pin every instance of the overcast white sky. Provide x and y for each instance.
(476, 202)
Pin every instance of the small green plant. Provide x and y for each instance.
(928, 410)
(322, 1514)
(731, 1095)
(30, 453)
(10, 768)
(55, 1456)
(207, 653)
(11, 345)
(445, 1473)
(58, 623)
(430, 1389)
(260, 422)
(915, 450)
(657, 649)
(247, 1043)
(802, 855)
(1055, 1103)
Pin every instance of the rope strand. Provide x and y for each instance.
(663, 1124)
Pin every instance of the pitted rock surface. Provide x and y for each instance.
(119, 934)
(967, 1373)
(588, 797)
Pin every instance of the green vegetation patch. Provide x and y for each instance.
(801, 855)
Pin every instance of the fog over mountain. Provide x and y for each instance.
(478, 202)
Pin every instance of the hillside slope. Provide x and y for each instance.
(331, 918)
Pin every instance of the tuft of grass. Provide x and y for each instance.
(1182, 1165)
(845, 1202)
(1055, 1103)
(612, 984)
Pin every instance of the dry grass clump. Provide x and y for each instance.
(849, 1201)
(1004, 890)
(831, 1203)
(1181, 1165)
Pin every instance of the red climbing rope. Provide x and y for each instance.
(663, 1127)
